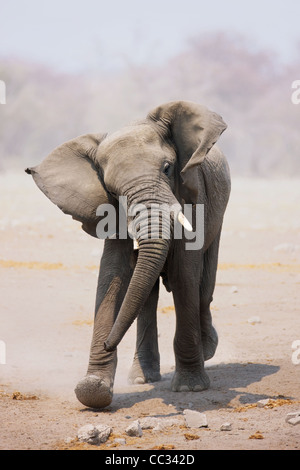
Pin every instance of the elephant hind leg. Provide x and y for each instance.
(146, 362)
(207, 286)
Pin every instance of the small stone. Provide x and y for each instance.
(134, 429)
(103, 433)
(159, 427)
(233, 290)
(262, 403)
(94, 435)
(195, 419)
(293, 418)
(158, 424)
(226, 427)
(89, 434)
(294, 421)
(149, 423)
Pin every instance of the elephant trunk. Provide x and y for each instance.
(153, 229)
(151, 258)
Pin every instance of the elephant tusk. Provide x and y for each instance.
(136, 245)
(183, 220)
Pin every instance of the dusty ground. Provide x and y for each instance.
(48, 272)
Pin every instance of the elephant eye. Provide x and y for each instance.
(166, 168)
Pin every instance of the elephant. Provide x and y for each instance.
(167, 159)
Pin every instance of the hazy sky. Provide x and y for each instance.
(74, 35)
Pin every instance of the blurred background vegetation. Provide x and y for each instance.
(251, 89)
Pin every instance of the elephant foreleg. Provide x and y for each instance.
(146, 363)
(96, 388)
(188, 348)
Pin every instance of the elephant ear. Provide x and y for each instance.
(69, 178)
(194, 129)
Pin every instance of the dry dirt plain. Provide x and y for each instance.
(48, 269)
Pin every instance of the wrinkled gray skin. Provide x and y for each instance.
(94, 169)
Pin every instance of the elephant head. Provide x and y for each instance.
(150, 162)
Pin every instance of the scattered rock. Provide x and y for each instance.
(88, 433)
(226, 427)
(134, 429)
(158, 424)
(293, 418)
(195, 419)
(233, 290)
(159, 427)
(104, 432)
(254, 320)
(273, 403)
(266, 402)
(94, 435)
(149, 423)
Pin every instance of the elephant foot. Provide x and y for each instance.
(210, 343)
(94, 392)
(190, 381)
(141, 373)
